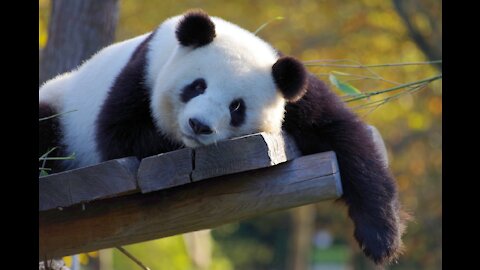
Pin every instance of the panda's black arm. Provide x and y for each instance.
(321, 122)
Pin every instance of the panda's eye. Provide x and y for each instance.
(197, 87)
(237, 112)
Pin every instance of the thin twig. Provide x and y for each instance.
(129, 255)
(357, 63)
(316, 63)
(47, 153)
(57, 158)
(55, 115)
(408, 91)
(375, 106)
(44, 160)
(360, 77)
(392, 98)
(267, 23)
(373, 93)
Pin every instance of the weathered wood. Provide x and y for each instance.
(199, 205)
(111, 178)
(243, 154)
(172, 169)
(226, 157)
(165, 170)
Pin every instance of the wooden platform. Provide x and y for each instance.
(125, 201)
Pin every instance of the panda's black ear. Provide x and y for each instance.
(195, 29)
(290, 77)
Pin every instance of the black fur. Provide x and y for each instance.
(50, 136)
(290, 77)
(192, 90)
(321, 122)
(125, 126)
(237, 112)
(195, 29)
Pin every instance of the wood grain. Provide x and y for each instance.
(165, 170)
(200, 205)
(226, 157)
(111, 178)
(243, 154)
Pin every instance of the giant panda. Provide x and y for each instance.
(196, 80)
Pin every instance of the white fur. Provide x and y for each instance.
(84, 90)
(236, 64)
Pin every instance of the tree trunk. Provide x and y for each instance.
(77, 30)
(199, 248)
(431, 45)
(303, 229)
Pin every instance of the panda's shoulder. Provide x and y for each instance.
(51, 92)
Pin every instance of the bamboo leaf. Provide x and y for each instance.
(343, 86)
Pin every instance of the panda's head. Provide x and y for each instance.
(222, 81)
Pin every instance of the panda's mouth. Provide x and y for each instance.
(190, 138)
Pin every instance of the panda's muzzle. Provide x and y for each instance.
(198, 127)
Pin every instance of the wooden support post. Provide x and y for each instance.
(199, 205)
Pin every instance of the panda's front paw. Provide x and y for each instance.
(380, 240)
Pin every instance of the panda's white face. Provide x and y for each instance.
(218, 91)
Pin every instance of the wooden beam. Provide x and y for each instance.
(243, 154)
(226, 157)
(117, 177)
(200, 205)
(165, 170)
(107, 179)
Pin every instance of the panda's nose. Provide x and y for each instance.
(199, 127)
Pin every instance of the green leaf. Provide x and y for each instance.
(343, 86)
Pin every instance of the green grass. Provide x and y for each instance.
(333, 254)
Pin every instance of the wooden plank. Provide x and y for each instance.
(199, 205)
(226, 157)
(243, 154)
(165, 170)
(114, 177)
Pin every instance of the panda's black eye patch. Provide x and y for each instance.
(197, 87)
(237, 112)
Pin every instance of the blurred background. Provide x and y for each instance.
(370, 45)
